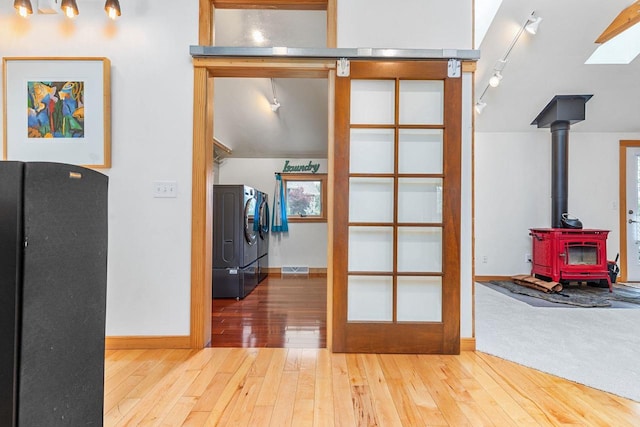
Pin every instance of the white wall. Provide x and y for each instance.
(513, 192)
(304, 244)
(152, 97)
(410, 24)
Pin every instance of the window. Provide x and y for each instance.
(306, 197)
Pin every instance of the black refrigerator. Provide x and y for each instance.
(53, 277)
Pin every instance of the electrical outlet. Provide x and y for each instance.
(165, 189)
(527, 257)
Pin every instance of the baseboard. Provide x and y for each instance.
(147, 342)
(490, 278)
(467, 344)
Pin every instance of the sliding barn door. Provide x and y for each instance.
(397, 209)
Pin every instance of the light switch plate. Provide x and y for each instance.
(165, 189)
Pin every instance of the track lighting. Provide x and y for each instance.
(70, 8)
(531, 26)
(23, 7)
(275, 105)
(112, 7)
(494, 81)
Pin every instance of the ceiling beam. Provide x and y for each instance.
(625, 20)
(271, 4)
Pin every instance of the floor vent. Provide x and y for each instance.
(294, 269)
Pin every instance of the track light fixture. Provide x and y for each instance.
(480, 106)
(275, 105)
(494, 81)
(23, 7)
(531, 26)
(112, 7)
(68, 7)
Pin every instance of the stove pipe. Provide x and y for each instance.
(559, 114)
(559, 171)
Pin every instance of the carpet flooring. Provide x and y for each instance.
(596, 347)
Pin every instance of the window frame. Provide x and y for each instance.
(322, 177)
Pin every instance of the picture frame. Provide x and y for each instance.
(56, 93)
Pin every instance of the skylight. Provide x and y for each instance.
(622, 49)
(485, 11)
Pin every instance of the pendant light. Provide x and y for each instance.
(112, 7)
(23, 7)
(70, 8)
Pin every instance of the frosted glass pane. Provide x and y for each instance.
(419, 299)
(372, 101)
(371, 199)
(264, 27)
(421, 102)
(420, 200)
(371, 151)
(370, 249)
(369, 298)
(420, 249)
(420, 151)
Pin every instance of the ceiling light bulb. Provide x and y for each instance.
(480, 106)
(275, 105)
(533, 24)
(112, 7)
(70, 8)
(258, 37)
(494, 81)
(23, 7)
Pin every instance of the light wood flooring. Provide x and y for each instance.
(313, 387)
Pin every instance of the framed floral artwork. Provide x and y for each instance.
(58, 110)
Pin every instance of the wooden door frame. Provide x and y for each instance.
(202, 155)
(624, 144)
(205, 69)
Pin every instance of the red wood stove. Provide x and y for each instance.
(565, 254)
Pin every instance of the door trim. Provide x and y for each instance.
(624, 144)
(205, 69)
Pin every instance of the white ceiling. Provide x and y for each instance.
(539, 67)
(552, 63)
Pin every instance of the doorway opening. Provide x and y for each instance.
(629, 211)
(283, 310)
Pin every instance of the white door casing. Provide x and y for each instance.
(632, 213)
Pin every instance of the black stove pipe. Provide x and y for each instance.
(559, 171)
(558, 115)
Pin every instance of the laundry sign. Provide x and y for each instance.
(310, 167)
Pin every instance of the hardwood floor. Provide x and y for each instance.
(281, 312)
(303, 384)
(312, 387)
